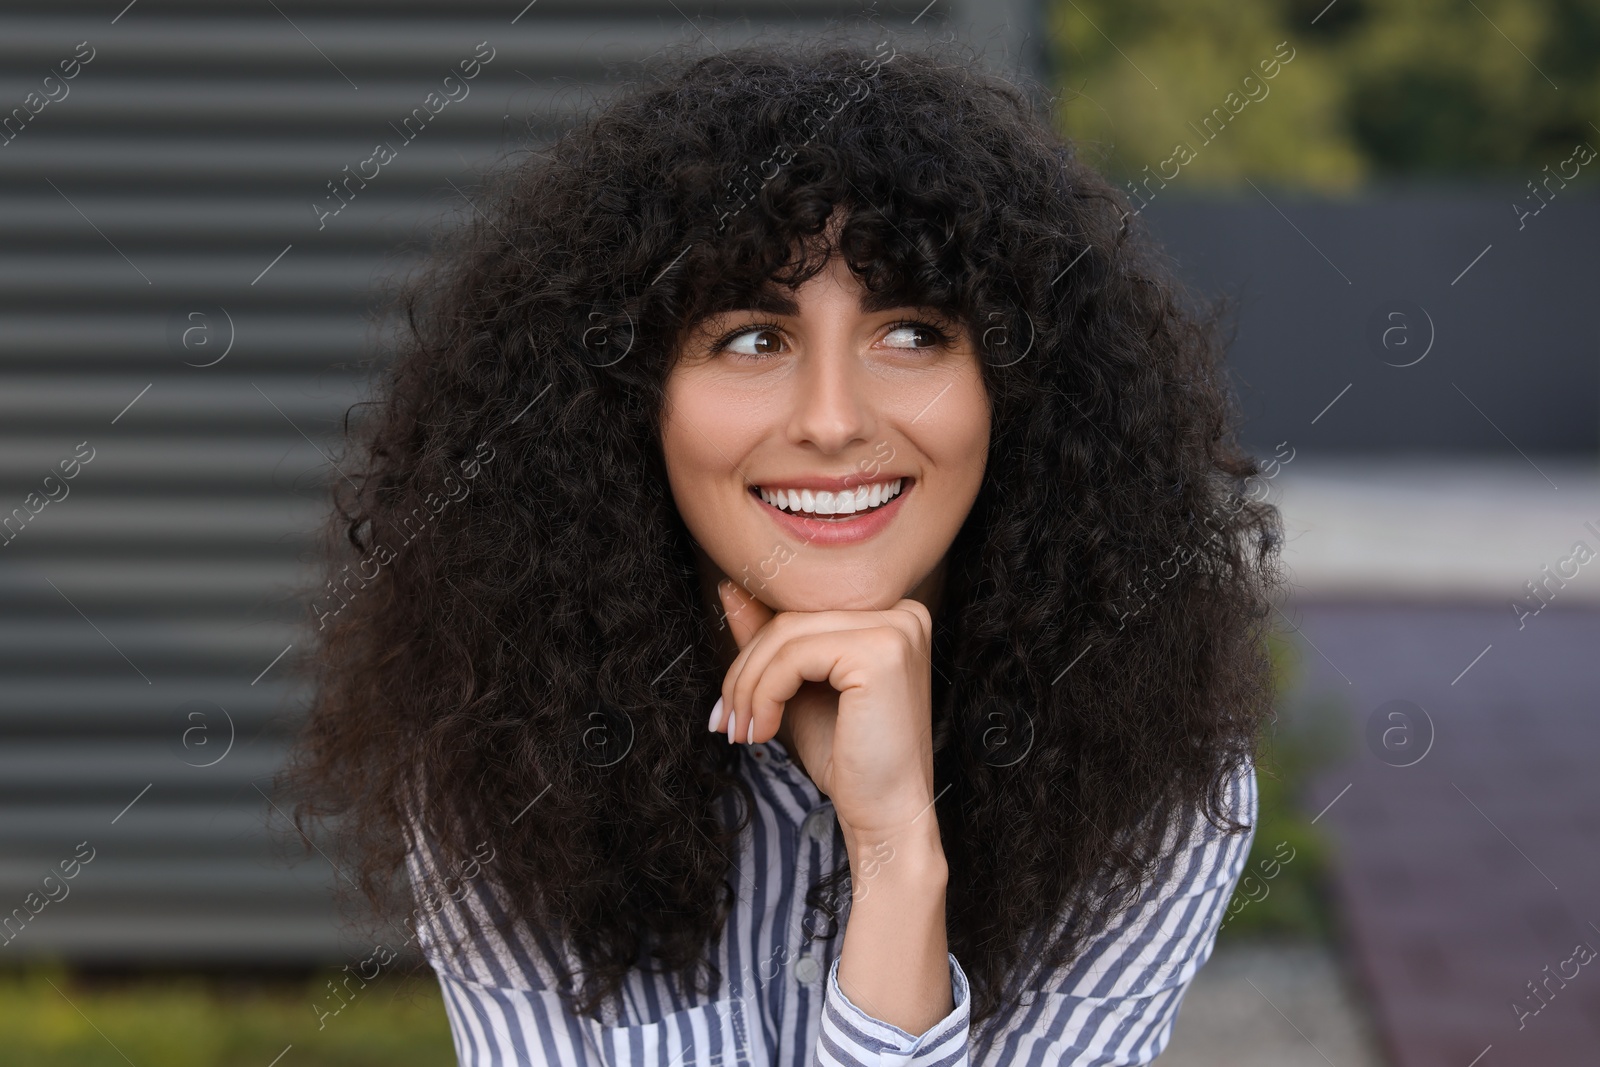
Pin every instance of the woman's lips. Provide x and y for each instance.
(842, 530)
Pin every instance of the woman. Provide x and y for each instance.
(823, 393)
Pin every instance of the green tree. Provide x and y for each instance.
(1440, 86)
(1372, 89)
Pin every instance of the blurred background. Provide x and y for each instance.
(188, 309)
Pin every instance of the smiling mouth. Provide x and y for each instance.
(832, 507)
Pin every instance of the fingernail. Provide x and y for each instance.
(752, 738)
(716, 716)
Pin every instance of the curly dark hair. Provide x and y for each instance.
(523, 623)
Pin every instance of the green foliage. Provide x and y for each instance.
(51, 1020)
(1284, 890)
(1436, 86)
(1373, 89)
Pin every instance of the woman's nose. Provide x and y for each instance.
(832, 401)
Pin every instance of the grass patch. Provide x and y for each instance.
(51, 1017)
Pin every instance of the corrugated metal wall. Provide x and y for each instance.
(180, 331)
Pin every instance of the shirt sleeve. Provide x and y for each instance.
(852, 1038)
(1113, 1005)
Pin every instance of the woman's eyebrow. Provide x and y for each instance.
(767, 300)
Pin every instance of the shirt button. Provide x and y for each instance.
(760, 754)
(808, 970)
(818, 825)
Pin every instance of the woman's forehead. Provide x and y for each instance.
(774, 298)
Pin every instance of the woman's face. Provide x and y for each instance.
(817, 396)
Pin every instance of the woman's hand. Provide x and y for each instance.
(866, 735)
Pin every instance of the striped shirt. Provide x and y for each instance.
(779, 1003)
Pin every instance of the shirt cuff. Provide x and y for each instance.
(851, 1036)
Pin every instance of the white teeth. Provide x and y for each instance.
(823, 502)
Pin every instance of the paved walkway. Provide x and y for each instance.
(1272, 1006)
(1464, 875)
(1437, 531)
(1467, 832)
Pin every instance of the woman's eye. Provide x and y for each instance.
(757, 342)
(912, 336)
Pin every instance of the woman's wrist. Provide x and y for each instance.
(894, 960)
(912, 852)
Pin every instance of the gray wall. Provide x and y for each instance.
(1515, 359)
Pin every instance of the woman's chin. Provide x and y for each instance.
(826, 596)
